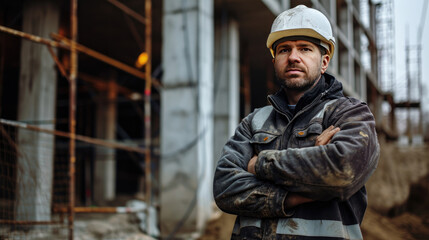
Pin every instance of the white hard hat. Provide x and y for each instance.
(302, 21)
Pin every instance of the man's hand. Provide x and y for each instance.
(293, 200)
(326, 136)
(251, 165)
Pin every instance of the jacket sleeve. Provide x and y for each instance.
(239, 192)
(336, 170)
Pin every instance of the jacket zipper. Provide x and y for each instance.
(298, 114)
(308, 106)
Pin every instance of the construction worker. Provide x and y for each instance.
(296, 169)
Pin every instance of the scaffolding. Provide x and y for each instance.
(8, 143)
(386, 45)
(404, 93)
(385, 35)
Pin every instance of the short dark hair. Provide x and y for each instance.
(316, 41)
(323, 50)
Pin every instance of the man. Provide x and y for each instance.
(297, 169)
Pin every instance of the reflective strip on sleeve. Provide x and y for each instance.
(246, 222)
(318, 228)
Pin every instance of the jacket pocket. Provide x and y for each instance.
(307, 137)
(264, 141)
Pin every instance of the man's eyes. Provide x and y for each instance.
(303, 49)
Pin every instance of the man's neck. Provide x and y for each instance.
(293, 96)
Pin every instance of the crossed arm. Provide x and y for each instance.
(293, 199)
(335, 168)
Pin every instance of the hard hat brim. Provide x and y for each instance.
(274, 36)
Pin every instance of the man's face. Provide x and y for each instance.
(299, 64)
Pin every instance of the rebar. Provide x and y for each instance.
(130, 12)
(99, 210)
(72, 113)
(15, 222)
(81, 138)
(58, 63)
(99, 56)
(147, 108)
(32, 37)
(66, 44)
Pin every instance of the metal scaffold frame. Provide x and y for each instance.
(74, 47)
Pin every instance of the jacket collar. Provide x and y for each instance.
(327, 84)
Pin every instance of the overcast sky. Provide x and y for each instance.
(408, 13)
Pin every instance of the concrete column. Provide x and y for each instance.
(186, 172)
(105, 162)
(333, 65)
(36, 104)
(275, 6)
(343, 62)
(226, 85)
(351, 63)
(285, 4)
(373, 27)
(362, 82)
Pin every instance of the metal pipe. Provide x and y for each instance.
(72, 113)
(129, 11)
(14, 222)
(32, 37)
(2, 57)
(100, 209)
(66, 43)
(9, 140)
(407, 71)
(147, 108)
(101, 85)
(100, 56)
(58, 63)
(420, 86)
(134, 32)
(86, 139)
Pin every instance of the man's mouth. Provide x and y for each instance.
(293, 70)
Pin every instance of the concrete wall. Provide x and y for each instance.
(186, 116)
(105, 161)
(227, 84)
(36, 104)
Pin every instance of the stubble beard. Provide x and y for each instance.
(298, 86)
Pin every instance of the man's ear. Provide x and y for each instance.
(325, 63)
(273, 60)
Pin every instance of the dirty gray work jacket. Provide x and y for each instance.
(288, 161)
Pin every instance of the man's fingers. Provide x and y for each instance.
(326, 135)
(251, 165)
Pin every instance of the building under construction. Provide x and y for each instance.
(105, 101)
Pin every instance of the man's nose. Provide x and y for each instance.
(294, 56)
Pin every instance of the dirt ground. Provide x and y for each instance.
(398, 194)
(406, 226)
